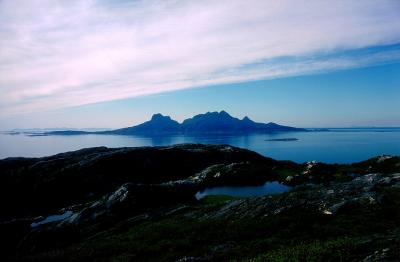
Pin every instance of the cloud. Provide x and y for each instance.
(56, 54)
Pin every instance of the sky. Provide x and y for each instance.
(104, 63)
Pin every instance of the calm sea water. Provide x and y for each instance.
(335, 146)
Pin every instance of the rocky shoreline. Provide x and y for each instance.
(138, 204)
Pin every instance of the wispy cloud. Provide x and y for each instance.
(57, 54)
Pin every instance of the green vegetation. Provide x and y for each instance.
(331, 250)
(139, 205)
(217, 199)
(298, 235)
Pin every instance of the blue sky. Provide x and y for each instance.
(103, 63)
(358, 97)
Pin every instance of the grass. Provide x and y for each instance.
(331, 250)
(212, 199)
(298, 235)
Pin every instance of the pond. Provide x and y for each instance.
(268, 188)
(53, 218)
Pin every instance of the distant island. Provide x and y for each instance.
(208, 123)
(283, 139)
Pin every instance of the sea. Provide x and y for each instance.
(336, 145)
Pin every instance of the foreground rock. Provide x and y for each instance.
(138, 204)
(365, 192)
(40, 186)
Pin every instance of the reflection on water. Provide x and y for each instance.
(268, 188)
(53, 218)
(338, 146)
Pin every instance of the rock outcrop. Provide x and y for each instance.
(364, 191)
(139, 203)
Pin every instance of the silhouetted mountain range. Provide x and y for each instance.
(210, 122)
(157, 124)
(215, 122)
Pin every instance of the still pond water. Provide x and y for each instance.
(269, 188)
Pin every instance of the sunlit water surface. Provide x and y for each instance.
(335, 146)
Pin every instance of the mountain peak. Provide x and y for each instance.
(159, 116)
(247, 119)
(214, 115)
(210, 122)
